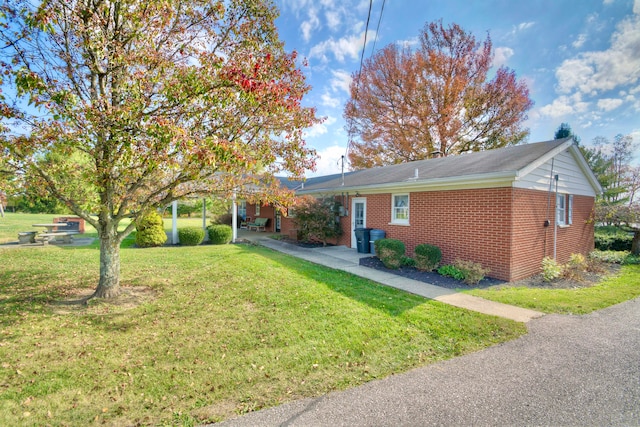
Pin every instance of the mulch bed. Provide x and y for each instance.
(433, 278)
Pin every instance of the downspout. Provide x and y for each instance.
(555, 222)
(547, 222)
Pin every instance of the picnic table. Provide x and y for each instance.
(51, 226)
(50, 235)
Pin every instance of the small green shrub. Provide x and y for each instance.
(427, 257)
(390, 252)
(610, 238)
(612, 257)
(150, 230)
(220, 234)
(551, 270)
(473, 272)
(451, 271)
(190, 236)
(407, 261)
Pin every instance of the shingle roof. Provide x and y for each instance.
(501, 160)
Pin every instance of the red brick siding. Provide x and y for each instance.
(501, 228)
(265, 212)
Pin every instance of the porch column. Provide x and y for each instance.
(174, 222)
(234, 219)
(204, 219)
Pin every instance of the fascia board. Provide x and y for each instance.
(543, 159)
(501, 179)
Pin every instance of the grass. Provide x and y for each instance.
(612, 290)
(231, 329)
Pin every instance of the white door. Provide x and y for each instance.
(358, 217)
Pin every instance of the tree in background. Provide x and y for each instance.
(405, 105)
(625, 216)
(138, 104)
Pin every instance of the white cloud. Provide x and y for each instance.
(636, 7)
(579, 42)
(525, 25)
(608, 104)
(311, 24)
(346, 47)
(598, 71)
(341, 81)
(328, 161)
(319, 128)
(329, 101)
(501, 56)
(564, 106)
(409, 43)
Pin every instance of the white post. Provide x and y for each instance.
(174, 223)
(204, 219)
(234, 219)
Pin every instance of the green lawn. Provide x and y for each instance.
(613, 290)
(231, 329)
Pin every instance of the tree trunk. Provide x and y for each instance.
(109, 284)
(635, 243)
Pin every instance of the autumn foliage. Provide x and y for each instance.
(409, 104)
(119, 107)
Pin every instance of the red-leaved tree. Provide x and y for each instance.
(406, 105)
(116, 107)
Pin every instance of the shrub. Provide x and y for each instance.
(427, 257)
(551, 270)
(612, 257)
(150, 230)
(316, 219)
(575, 267)
(220, 234)
(472, 272)
(390, 252)
(611, 238)
(190, 236)
(451, 271)
(407, 261)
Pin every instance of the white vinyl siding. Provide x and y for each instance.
(400, 209)
(571, 179)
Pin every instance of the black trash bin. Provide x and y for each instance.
(362, 239)
(374, 235)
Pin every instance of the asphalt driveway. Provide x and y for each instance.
(569, 370)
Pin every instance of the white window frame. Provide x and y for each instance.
(395, 209)
(257, 209)
(561, 210)
(570, 209)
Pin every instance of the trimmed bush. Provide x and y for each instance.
(220, 234)
(612, 238)
(473, 272)
(150, 230)
(451, 271)
(407, 261)
(190, 236)
(612, 257)
(390, 252)
(427, 257)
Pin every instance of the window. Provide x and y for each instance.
(242, 209)
(258, 209)
(400, 209)
(564, 209)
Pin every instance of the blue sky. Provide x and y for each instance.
(580, 58)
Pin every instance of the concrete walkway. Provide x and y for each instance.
(347, 259)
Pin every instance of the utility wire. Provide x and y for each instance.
(373, 49)
(355, 93)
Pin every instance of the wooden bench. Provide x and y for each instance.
(66, 236)
(258, 224)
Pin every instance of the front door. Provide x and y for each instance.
(358, 217)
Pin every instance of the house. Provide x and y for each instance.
(506, 208)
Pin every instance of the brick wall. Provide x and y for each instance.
(501, 228)
(265, 212)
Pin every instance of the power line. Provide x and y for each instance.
(373, 49)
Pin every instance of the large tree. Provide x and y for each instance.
(406, 105)
(121, 106)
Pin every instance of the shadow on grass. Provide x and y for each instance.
(389, 300)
